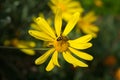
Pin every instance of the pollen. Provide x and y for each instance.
(61, 44)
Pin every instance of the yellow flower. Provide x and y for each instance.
(60, 42)
(22, 44)
(98, 3)
(86, 24)
(68, 7)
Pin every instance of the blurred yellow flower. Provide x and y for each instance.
(98, 3)
(60, 42)
(68, 7)
(117, 74)
(22, 44)
(86, 25)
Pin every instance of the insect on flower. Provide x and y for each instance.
(60, 43)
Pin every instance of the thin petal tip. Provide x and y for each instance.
(38, 18)
(90, 35)
(90, 44)
(30, 31)
(90, 58)
(36, 62)
(85, 65)
(47, 69)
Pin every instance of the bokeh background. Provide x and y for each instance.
(16, 17)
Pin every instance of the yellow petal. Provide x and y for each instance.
(94, 28)
(27, 43)
(89, 31)
(66, 16)
(44, 26)
(58, 22)
(90, 17)
(27, 51)
(34, 26)
(50, 66)
(31, 43)
(55, 58)
(66, 1)
(71, 24)
(75, 10)
(80, 45)
(73, 4)
(40, 35)
(70, 59)
(83, 39)
(80, 54)
(44, 57)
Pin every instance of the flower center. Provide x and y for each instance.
(61, 44)
(61, 6)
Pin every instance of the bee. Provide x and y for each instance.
(60, 38)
